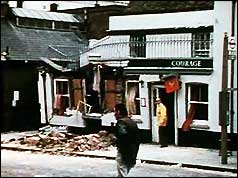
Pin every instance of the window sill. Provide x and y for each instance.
(200, 124)
(197, 124)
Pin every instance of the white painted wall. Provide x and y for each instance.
(144, 93)
(222, 24)
(167, 20)
(49, 98)
(41, 98)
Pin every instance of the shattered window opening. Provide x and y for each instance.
(61, 95)
(132, 98)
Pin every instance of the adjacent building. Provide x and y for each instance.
(39, 54)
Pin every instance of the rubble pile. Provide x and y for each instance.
(56, 141)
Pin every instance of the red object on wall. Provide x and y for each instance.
(171, 84)
(58, 101)
(189, 119)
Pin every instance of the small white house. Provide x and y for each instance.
(152, 49)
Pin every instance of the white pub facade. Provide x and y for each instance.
(188, 46)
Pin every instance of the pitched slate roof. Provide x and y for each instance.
(32, 44)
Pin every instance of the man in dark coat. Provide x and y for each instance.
(127, 140)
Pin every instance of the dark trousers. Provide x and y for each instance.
(163, 135)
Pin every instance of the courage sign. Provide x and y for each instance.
(186, 63)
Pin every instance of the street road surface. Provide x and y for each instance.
(27, 164)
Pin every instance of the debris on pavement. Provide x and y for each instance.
(54, 140)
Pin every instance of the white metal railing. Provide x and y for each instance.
(160, 46)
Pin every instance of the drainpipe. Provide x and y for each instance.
(4, 8)
(20, 4)
(232, 75)
(223, 104)
(53, 7)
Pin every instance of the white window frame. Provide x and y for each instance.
(197, 123)
(200, 51)
(138, 48)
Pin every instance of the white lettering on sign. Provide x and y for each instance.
(16, 95)
(14, 103)
(232, 43)
(186, 63)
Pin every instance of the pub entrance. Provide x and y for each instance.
(158, 90)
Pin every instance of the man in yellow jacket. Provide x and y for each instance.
(161, 112)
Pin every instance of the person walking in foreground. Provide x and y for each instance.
(127, 140)
(161, 112)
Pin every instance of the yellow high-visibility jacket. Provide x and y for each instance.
(161, 112)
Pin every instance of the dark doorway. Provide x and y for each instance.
(168, 100)
(158, 90)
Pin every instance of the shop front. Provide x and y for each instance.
(180, 84)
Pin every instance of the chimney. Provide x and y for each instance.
(97, 4)
(53, 7)
(19, 4)
(4, 8)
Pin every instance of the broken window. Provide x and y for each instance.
(77, 93)
(93, 99)
(110, 95)
(61, 96)
(132, 98)
(114, 91)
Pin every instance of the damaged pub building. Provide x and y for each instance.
(171, 54)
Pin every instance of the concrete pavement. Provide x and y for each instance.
(175, 155)
(208, 159)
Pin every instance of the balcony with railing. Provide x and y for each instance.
(154, 47)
